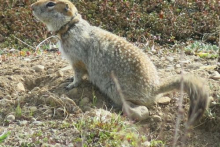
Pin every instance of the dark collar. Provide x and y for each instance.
(65, 28)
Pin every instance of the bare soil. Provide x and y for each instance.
(43, 105)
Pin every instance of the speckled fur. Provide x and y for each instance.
(96, 52)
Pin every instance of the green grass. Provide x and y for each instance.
(4, 136)
(107, 131)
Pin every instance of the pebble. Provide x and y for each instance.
(84, 101)
(213, 103)
(38, 68)
(164, 100)
(10, 118)
(27, 59)
(8, 97)
(178, 70)
(33, 119)
(169, 118)
(86, 108)
(38, 123)
(178, 66)
(60, 73)
(99, 114)
(66, 68)
(23, 122)
(162, 58)
(215, 76)
(194, 65)
(169, 68)
(11, 78)
(36, 89)
(50, 71)
(73, 91)
(137, 112)
(146, 143)
(33, 108)
(156, 118)
(20, 87)
(170, 59)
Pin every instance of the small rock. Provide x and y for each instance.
(45, 145)
(213, 103)
(215, 76)
(60, 73)
(50, 71)
(8, 97)
(10, 118)
(197, 58)
(163, 58)
(156, 118)
(169, 118)
(178, 66)
(38, 68)
(164, 100)
(84, 101)
(169, 68)
(86, 108)
(11, 78)
(27, 59)
(33, 108)
(185, 62)
(20, 87)
(170, 58)
(146, 143)
(1, 38)
(66, 68)
(136, 112)
(33, 119)
(160, 114)
(100, 114)
(38, 123)
(194, 65)
(23, 122)
(178, 70)
(35, 89)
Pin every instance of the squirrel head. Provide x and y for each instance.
(54, 13)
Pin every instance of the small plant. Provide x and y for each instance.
(155, 143)
(94, 98)
(107, 130)
(203, 50)
(18, 111)
(4, 136)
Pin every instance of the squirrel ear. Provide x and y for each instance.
(66, 8)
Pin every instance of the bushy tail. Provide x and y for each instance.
(196, 90)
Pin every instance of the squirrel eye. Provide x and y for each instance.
(50, 4)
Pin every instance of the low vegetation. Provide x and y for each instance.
(162, 21)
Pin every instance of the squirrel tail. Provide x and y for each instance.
(195, 88)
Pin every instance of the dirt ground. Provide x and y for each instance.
(34, 102)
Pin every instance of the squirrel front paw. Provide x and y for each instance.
(73, 84)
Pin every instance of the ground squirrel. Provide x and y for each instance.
(96, 52)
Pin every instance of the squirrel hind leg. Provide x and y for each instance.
(135, 112)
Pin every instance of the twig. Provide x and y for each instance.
(44, 41)
(180, 103)
(120, 92)
(24, 42)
